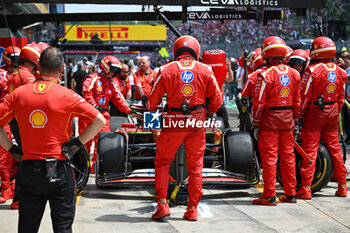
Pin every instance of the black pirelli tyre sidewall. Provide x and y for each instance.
(323, 169)
(110, 154)
(239, 153)
(81, 161)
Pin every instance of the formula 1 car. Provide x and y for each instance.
(126, 155)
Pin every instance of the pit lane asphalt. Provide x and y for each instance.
(222, 209)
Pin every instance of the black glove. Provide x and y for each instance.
(144, 101)
(100, 108)
(16, 152)
(71, 147)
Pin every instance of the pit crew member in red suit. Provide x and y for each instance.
(186, 81)
(125, 88)
(259, 66)
(289, 52)
(299, 60)
(275, 111)
(99, 89)
(322, 97)
(39, 113)
(10, 58)
(28, 58)
(144, 79)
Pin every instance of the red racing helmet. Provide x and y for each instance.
(31, 53)
(322, 48)
(111, 64)
(42, 46)
(273, 47)
(10, 55)
(256, 60)
(289, 52)
(187, 44)
(299, 57)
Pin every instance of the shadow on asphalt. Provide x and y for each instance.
(122, 218)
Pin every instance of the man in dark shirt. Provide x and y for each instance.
(77, 79)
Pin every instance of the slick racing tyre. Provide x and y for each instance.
(81, 162)
(111, 153)
(323, 169)
(239, 154)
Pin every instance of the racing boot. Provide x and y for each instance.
(162, 211)
(269, 201)
(304, 193)
(7, 193)
(342, 191)
(288, 198)
(14, 205)
(190, 214)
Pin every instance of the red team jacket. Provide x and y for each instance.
(124, 85)
(146, 82)
(42, 109)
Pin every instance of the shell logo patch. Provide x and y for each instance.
(187, 90)
(332, 77)
(284, 80)
(285, 91)
(331, 88)
(11, 88)
(38, 119)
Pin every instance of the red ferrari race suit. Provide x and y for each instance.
(4, 75)
(277, 106)
(249, 86)
(322, 80)
(20, 77)
(184, 80)
(98, 91)
(5, 157)
(146, 81)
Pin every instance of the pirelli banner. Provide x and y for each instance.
(115, 32)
